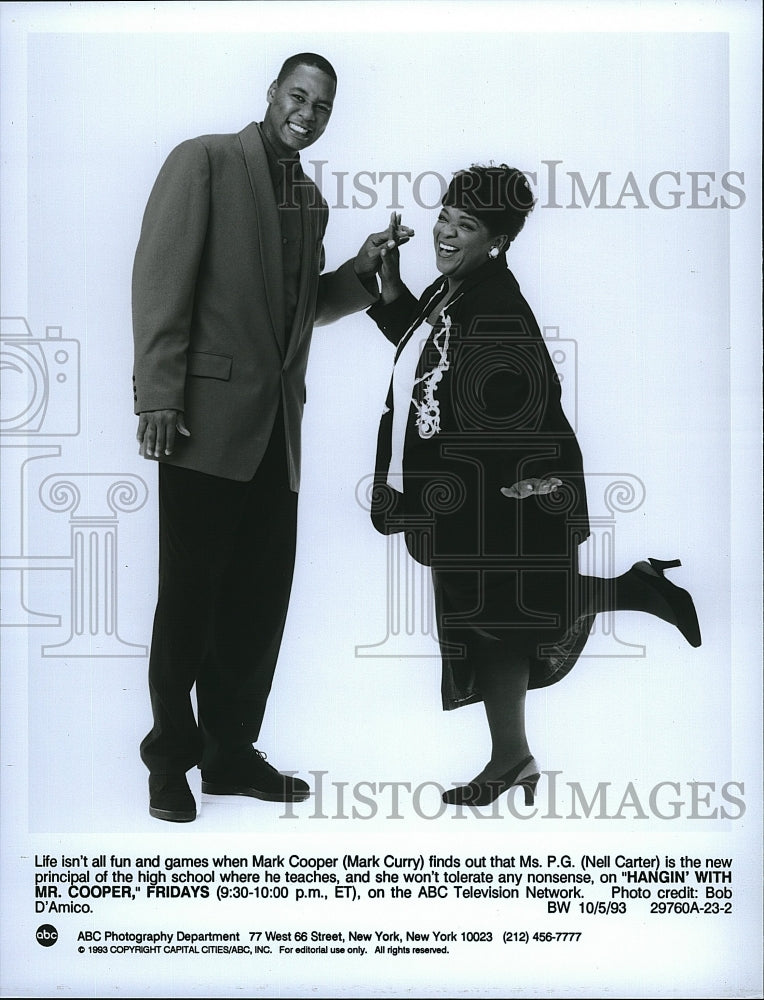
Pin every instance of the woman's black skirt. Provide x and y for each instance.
(492, 612)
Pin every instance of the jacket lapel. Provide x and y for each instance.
(426, 304)
(268, 227)
(491, 270)
(308, 267)
(486, 272)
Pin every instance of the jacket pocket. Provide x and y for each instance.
(210, 365)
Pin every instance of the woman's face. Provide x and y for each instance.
(461, 242)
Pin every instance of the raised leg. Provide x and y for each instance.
(643, 588)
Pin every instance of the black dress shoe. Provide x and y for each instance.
(251, 774)
(170, 798)
(664, 599)
(482, 793)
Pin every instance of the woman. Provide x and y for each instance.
(478, 465)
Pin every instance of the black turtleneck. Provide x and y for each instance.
(284, 171)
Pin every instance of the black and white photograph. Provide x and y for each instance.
(380, 444)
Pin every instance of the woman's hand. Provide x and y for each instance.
(377, 246)
(531, 487)
(390, 260)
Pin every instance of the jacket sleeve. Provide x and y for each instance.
(394, 318)
(341, 293)
(165, 269)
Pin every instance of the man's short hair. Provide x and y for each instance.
(306, 59)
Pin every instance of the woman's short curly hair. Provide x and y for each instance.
(498, 196)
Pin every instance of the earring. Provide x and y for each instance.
(493, 253)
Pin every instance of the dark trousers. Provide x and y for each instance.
(226, 560)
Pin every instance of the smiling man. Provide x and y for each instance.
(227, 286)
(300, 104)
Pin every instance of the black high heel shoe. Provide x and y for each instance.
(671, 603)
(482, 793)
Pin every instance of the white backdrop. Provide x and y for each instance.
(655, 304)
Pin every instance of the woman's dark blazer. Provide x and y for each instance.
(503, 569)
(501, 421)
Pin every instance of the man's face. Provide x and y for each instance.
(299, 109)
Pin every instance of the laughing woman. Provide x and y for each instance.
(479, 467)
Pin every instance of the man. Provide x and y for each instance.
(226, 290)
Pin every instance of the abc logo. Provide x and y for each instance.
(46, 935)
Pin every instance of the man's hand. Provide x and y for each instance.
(156, 432)
(531, 487)
(369, 258)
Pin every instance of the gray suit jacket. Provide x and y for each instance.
(208, 310)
